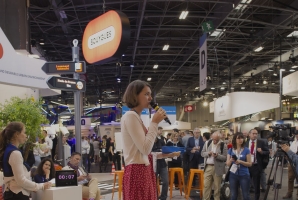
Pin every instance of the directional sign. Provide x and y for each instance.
(64, 67)
(67, 84)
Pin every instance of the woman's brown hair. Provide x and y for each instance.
(237, 135)
(132, 91)
(40, 171)
(6, 135)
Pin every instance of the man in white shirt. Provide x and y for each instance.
(90, 188)
(85, 150)
(291, 174)
(49, 145)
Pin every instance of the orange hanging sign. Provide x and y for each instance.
(106, 37)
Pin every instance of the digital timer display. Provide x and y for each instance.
(66, 178)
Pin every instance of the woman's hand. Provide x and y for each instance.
(238, 162)
(47, 185)
(159, 115)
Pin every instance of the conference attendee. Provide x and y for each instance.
(55, 144)
(259, 157)
(96, 150)
(45, 171)
(37, 153)
(90, 153)
(239, 158)
(272, 147)
(169, 135)
(17, 177)
(291, 174)
(67, 148)
(176, 161)
(116, 157)
(246, 136)
(90, 188)
(85, 150)
(215, 154)
(194, 147)
(49, 145)
(104, 153)
(206, 136)
(139, 180)
(161, 169)
(160, 136)
(185, 156)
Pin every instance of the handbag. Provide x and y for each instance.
(228, 174)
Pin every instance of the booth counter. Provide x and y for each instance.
(54, 193)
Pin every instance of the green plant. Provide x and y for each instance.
(25, 110)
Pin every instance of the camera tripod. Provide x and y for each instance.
(280, 155)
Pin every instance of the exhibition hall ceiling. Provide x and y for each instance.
(235, 61)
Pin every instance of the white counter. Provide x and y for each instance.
(55, 193)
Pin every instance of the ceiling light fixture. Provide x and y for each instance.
(273, 83)
(232, 88)
(293, 34)
(242, 88)
(212, 88)
(295, 66)
(155, 66)
(196, 88)
(282, 70)
(259, 49)
(257, 83)
(149, 79)
(224, 83)
(292, 70)
(41, 43)
(183, 14)
(205, 103)
(132, 65)
(166, 47)
(222, 88)
(265, 82)
(275, 74)
(270, 70)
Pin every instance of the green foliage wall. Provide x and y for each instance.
(25, 110)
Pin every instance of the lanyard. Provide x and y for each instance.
(238, 155)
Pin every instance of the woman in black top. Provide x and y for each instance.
(45, 171)
(176, 161)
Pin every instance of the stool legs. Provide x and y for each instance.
(114, 186)
(120, 182)
(190, 179)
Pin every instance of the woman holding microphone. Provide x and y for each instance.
(17, 180)
(139, 179)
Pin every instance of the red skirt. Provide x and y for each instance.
(139, 182)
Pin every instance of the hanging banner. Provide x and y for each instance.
(203, 62)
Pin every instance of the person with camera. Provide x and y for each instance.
(215, 154)
(259, 157)
(292, 152)
(239, 160)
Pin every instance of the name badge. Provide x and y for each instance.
(103, 150)
(252, 158)
(234, 168)
(175, 157)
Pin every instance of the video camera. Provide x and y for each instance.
(282, 133)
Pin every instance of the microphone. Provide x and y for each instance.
(156, 107)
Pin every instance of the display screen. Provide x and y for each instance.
(66, 178)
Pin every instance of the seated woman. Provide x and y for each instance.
(45, 171)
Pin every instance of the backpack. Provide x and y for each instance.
(221, 145)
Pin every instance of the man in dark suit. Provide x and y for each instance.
(194, 147)
(259, 153)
